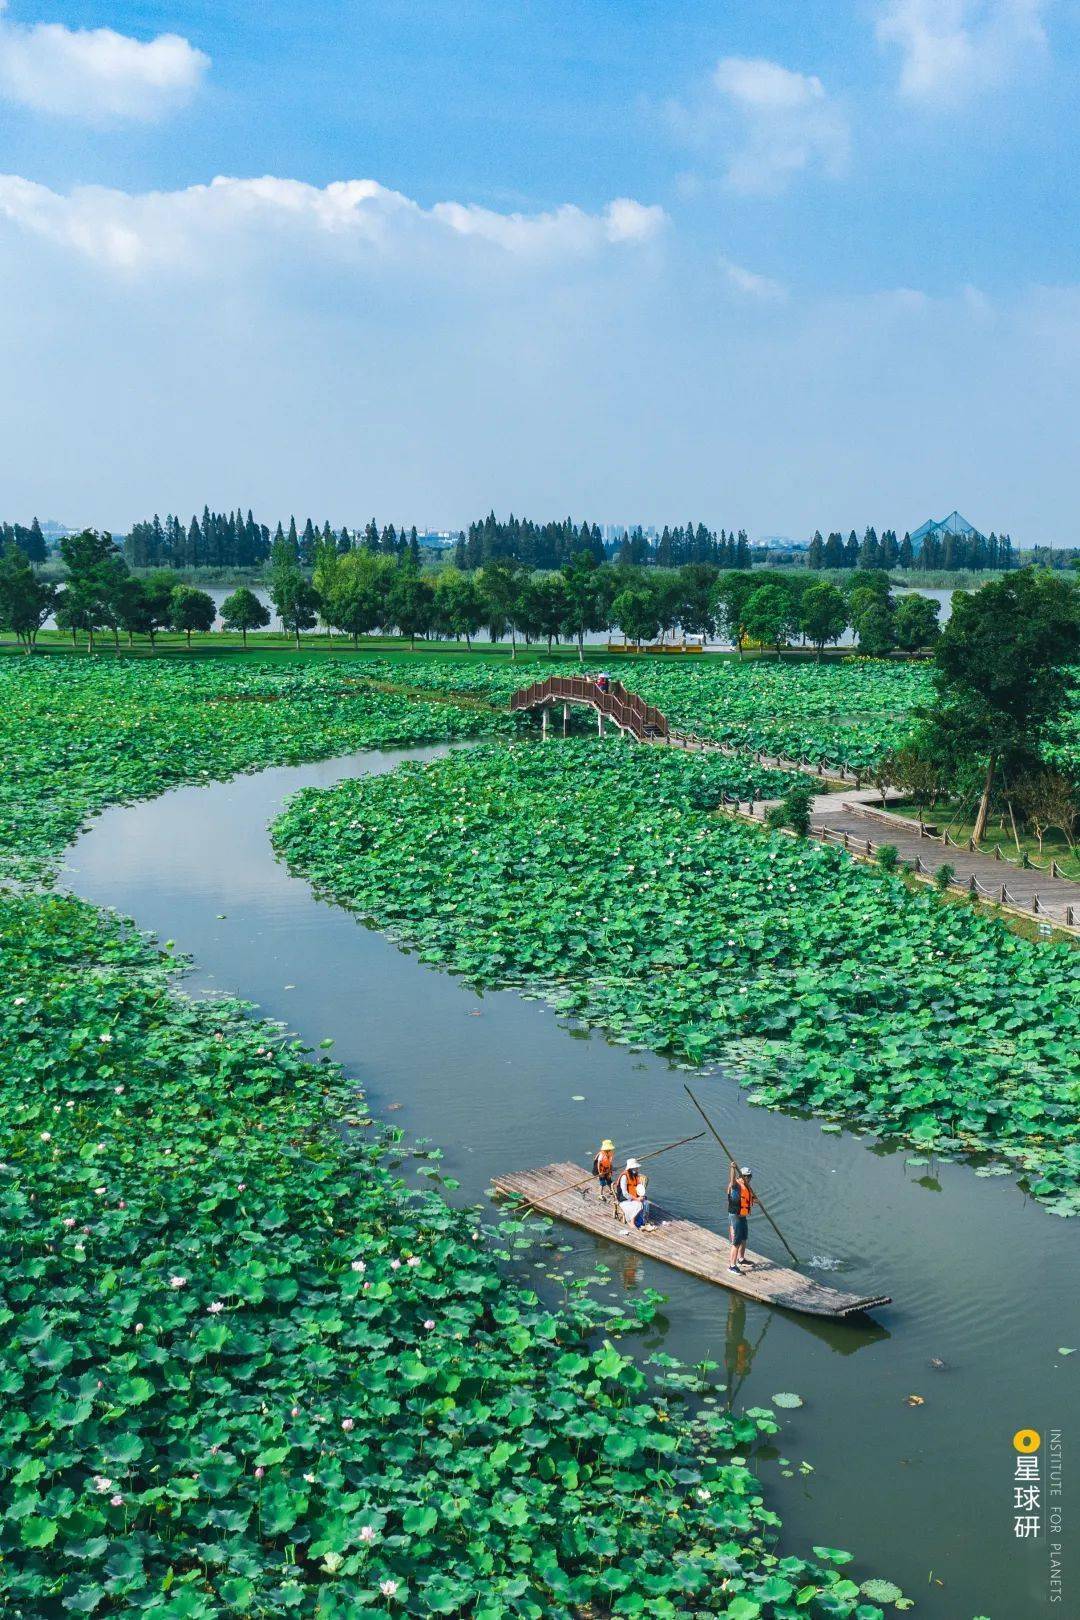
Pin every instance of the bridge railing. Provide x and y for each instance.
(626, 709)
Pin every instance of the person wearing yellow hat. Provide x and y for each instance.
(603, 1162)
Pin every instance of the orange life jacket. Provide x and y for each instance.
(602, 1163)
(746, 1198)
(633, 1184)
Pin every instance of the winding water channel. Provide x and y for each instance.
(982, 1280)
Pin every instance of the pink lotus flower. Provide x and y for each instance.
(177, 1282)
(359, 1265)
(101, 1484)
(46, 1136)
(347, 1424)
(259, 1472)
(310, 1478)
(212, 1310)
(429, 1324)
(138, 1327)
(395, 1265)
(116, 1501)
(415, 1260)
(367, 1533)
(69, 1220)
(388, 1588)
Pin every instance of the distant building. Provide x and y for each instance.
(953, 524)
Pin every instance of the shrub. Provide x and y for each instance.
(888, 857)
(944, 876)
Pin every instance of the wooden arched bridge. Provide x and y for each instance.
(611, 702)
(846, 818)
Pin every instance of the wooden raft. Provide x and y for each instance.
(683, 1244)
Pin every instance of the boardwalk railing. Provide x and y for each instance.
(624, 709)
(998, 893)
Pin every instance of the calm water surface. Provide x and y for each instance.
(981, 1278)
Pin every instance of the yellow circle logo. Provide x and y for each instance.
(1026, 1440)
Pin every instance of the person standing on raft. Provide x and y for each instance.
(603, 1164)
(740, 1201)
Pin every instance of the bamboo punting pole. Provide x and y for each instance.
(733, 1160)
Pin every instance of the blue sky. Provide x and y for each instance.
(781, 265)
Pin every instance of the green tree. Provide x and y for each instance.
(501, 582)
(357, 600)
(296, 602)
(458, 605)
(131, 609)
(551, 605)
(916, 622)
(1003, 672)
(586, 601)
(243, 611)
(876, 627)
(696, 610)
(410, 603)
(25, 600)
(157, 589)
(768, 616)
(191, 610)
(636, 611)
(95, 568)
(730, 595)
(823, 615)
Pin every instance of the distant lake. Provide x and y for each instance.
(220, 592)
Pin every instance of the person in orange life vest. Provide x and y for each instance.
(630, 1191)
(602, 1165)
(740, 1201)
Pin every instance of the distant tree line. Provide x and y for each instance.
(236, 540)
(367, 588)
(549, 546)
(946, 553)
(30, 541)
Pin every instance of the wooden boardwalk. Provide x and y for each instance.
(558, 1190)
(862, 829)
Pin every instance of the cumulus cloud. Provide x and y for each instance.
(769, 123)
(950, 48)
(752, 284)
(354, 220)
(96, 73)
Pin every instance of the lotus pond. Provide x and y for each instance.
(249, 1372)
(595, 874)
(845, 712)
(78, 735)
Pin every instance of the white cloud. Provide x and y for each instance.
(769, 123)
(96, 73)
(752, 284)
(950, 48)
(205, 226)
